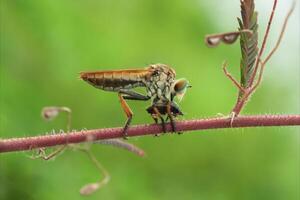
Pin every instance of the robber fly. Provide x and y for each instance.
(161, 89)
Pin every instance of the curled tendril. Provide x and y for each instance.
(51, 112)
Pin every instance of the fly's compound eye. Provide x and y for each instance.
(181, 85)
(179, 88)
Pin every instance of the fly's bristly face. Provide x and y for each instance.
(179, 88)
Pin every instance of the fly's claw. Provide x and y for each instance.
(124, 134)
(163, 125)
(171, 108)
(173, 125)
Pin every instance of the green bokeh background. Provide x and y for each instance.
(44, 44)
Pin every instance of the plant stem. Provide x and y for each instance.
(29, 143)
(261, 51)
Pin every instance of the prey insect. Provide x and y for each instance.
(159, 82)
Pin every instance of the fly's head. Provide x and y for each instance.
(179, 88)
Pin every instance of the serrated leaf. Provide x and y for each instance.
(248, 42)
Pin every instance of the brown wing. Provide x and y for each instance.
(114, 80)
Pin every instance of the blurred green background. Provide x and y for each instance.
(45, 44)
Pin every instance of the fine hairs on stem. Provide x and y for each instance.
(29, 143)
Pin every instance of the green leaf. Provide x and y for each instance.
(248, 42)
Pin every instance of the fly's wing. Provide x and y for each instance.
(116, 80)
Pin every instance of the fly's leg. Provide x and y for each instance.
(158, 115)
(128, 113)
(130, 95)
(154, 117)
(170, 116)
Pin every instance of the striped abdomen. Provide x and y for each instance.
(116, 80)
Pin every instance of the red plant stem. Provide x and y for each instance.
(261, 51)
(29, 143)
(238, 107)
(241, 101)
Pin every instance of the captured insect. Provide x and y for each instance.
(159, 82)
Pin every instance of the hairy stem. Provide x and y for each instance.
(29, 143)
(261, 51)
(239, 105)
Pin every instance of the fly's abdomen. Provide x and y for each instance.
(115, 80)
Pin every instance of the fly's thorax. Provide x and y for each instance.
(160, 90)
(160, 81)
